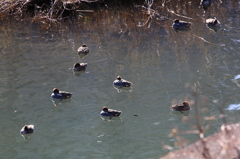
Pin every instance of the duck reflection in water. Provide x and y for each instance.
(78, 73)
(184, 113)
(58, 102)
(123, 89)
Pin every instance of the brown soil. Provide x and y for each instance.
(222, 145)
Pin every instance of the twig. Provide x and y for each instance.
(205, 153)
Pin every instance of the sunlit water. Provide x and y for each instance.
(164, 66)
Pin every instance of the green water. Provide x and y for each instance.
(164, 66)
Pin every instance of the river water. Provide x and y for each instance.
(165, 67)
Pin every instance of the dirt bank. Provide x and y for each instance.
(222, 145)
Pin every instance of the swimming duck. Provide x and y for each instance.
(212, 22)
(121, 82)
(27, 129)
(110, 112)
(183, 107)
(60, 94)
(177, 24)
(79, 66)
(83, 49)
(206, 3)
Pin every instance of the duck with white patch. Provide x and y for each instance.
(56, 94)
(80, 66)
(119, 82)
(27, 129)
(110, 112)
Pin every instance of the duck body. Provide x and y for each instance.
(79, 66)
(83, 49)
(206, 3)
(27, 129)
(110, 112)
(212, 22)
(119, 82)
(181, 107)
(60, 94)
(177, 24)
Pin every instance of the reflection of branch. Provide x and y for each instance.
(163, 4)
(205, 153)
(207, 41)
(179, 14)
(148, 12)
(145, 22)
(201, 135)
(151, 12)
(149, 4)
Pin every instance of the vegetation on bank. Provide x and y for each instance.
(57, 9)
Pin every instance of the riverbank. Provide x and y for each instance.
(57, 9)
(222, 145)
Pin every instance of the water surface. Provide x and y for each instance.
(165, 67)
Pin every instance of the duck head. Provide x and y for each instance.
(105, 109)
(55, 91)
(26, 128)
(186, 104)
(84, 45)
(215, 21)
(76, 65)
(176, 21)
(119, 78)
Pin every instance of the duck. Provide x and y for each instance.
(110, 112)
(60, 94)
(79, 66)
(181, 107)
(121, 82)
(83, 49)
(212, 22)
(206, 3)
(177, 24)
(27, 129)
